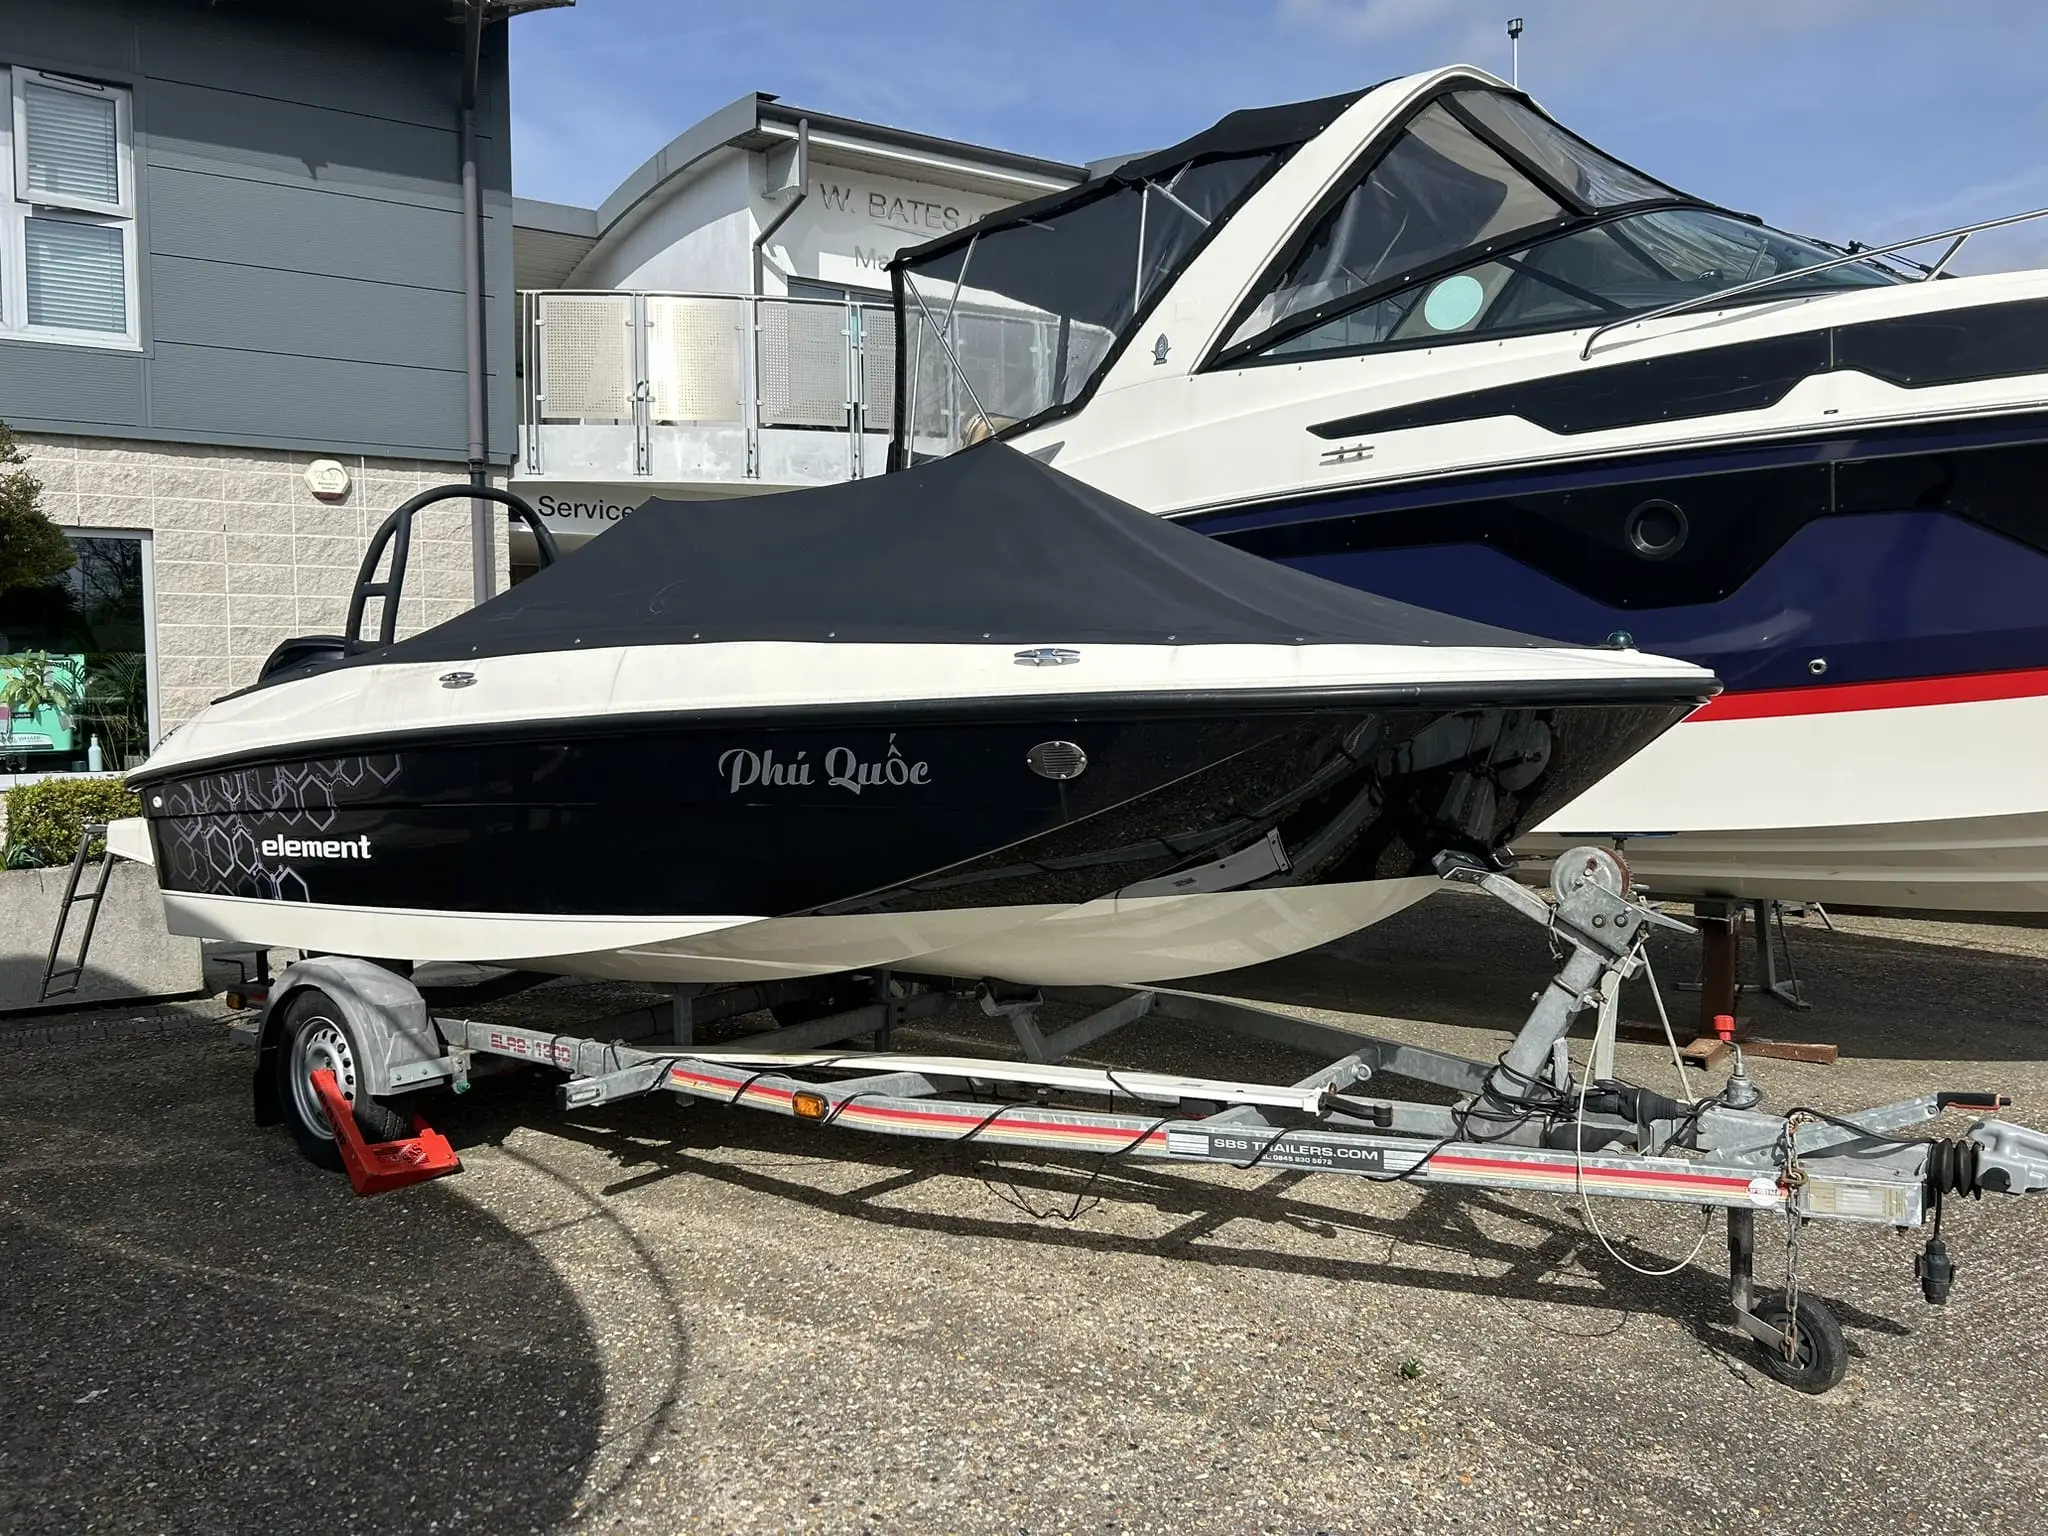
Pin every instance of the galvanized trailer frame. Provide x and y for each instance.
(1529, 1121)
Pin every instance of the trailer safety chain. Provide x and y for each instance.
(1789, 1334)
(1790, 1174)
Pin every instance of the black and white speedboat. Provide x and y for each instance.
(1422, 340)
(978, 719)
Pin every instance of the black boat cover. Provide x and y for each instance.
(1247, 131)
(989, 545)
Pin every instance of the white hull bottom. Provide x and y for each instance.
(1114, 941)
(1938, 806)
(1990, 864)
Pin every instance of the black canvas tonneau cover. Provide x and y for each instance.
(988, 544)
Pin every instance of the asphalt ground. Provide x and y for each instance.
(659, 1318)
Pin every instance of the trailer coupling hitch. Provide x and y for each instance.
(2011, 1159)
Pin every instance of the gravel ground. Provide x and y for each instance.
(656, 1318)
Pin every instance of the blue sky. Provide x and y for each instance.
(1865, 119)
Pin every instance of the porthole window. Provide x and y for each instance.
(1454, 303)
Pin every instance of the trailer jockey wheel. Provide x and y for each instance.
(318, 1034)
(1820, 1356)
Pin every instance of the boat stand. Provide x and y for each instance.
(1720, 937)
(1531, 1120)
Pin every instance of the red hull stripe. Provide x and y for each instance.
(1905, 693)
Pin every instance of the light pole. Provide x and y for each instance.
(1515, 52)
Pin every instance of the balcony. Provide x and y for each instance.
(717, 392)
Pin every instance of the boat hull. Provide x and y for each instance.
(1115, 941)
(697, 849)
(1833, 583)
(1877, 802)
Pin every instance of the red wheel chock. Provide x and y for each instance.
(374, 1167)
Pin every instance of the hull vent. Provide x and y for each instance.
(1057, 760)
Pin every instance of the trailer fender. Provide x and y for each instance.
(401, 1047)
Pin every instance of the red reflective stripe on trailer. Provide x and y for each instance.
(1903, 693)
(727, 1085)
(1005, 1123)
(856, 1111)
(1558, 1170)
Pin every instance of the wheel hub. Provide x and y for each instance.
(321, 1044)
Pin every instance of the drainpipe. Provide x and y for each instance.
(752, 409)
(803, 190)
(482, 565)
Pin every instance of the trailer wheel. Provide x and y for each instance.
(318, 1034)
(1821, 1356)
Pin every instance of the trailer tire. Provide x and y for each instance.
(318, 1033)
(1822, 1356)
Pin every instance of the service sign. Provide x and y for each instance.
(581, 510)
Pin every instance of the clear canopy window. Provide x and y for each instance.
(1597, 180)
(1587, 276)
(1438, 190)
(1543, 221)
(1020, 319)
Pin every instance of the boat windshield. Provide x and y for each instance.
(1484, 217)
(1463, 176)
(1588, 276)
(1019, 319)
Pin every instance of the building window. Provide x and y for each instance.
(67, 210)
(78, 664)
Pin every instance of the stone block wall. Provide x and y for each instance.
(245, 555)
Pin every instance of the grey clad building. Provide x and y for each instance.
(233, 333)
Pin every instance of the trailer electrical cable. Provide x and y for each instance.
(1586, 1202)
(1085, 1200)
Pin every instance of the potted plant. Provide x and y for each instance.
(115, 704)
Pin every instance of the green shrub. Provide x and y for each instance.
(44, 819)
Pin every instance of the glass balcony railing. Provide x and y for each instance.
(695, 386)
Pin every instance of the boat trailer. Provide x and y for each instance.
(1531, 1120)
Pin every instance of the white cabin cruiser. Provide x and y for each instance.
(976, 720)
(1423, 341)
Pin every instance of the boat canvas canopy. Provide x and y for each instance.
(1020, 312)
(1250, 131)
(985, 546)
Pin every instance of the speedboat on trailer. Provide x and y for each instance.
(975, 720)
(1424, 341)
